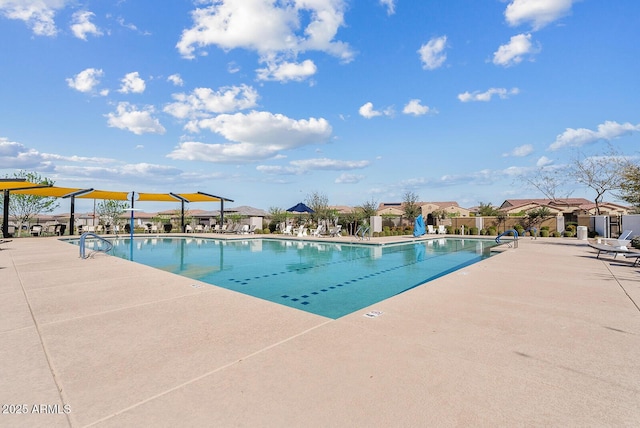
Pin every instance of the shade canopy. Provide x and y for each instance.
(300, 208)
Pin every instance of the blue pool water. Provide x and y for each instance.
(323, 278)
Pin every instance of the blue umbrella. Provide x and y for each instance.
(300, 208)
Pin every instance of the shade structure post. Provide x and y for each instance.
(5, 215)
(133, 194)
(221, 212)
(182, 215)
(72, 216)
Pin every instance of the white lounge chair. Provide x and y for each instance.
(318, 231)
(620, 242)
(635, 256)
(430, 229)
(442, 230)
(610, 249)
(287, 230)
(335, 231)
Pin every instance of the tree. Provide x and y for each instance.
(487, 210)
(319, 203)
(369, 208)
(110, 211)
(630, 184)
(599, 173)
(411, 208)
(24, 207)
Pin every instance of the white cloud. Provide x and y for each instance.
(487, 95)
(37, 14)
(432, 53)
(202, 102)
(15, 155)
(349, 179)
(287, 71)
(127, 117)
(415, 108)
(86, 80)
(520, 151)
(390, 5)
(582, 136)
(303, 166)
(254, 136)
(543, 161)
(82, 25)
(176, 79)
(537, 12)
(230, 24)
(132, 82)
(367, 111)
(513, 52)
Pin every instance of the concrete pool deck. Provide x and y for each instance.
(540, 335)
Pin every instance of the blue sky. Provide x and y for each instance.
(265, 102)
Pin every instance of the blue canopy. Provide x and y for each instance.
(300, 208)
(419, 229)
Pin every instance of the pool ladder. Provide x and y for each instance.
(83, 238)
(514, 243)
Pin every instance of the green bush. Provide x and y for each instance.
(492, 231)
(635, 242)
(483, 232)
(545, 228)
(265, 231)
(473, 231)
(544, 233)
(569, 234)
(556, 234)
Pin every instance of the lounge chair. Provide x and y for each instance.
(252, 229)
(635, 256)
(188, 229)
(442, 230)
(603, 248)
(362, 233)
(318, 231)
(36, 230)
(287, 230)
(335, 231)
(430, 229)
(621, 241)
(243, 230)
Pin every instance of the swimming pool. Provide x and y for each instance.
(325, 278)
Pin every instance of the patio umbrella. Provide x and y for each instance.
(300, 208)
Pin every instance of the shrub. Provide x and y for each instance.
(473, 231)
(569, 234)
(376, 234)
(544, 233)
(545, 228)
(635, 242)
(266, 231)
(492, 231)
(556, 234)
(449, 229)
(483, 231)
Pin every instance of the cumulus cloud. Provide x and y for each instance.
(368, 112)
(37, 14)
(128, 117)
(176, 79)
(287, 71)
(432, 53)
(487, 95)
(543, 161)
(86, 80)
(415, 108)
(514, 52)
(390, 5)
(82, 25)
(253, 136)
(203, 102)
(132, 82)
(230, 24)
(538, 13)
(607, 131)
(520, 151)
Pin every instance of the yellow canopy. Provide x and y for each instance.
(60, 192)
(10, 184)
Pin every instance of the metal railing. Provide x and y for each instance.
(99, 239)
(505, 233)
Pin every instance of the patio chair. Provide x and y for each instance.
(287, 230)
(609, 249)
(318, 231)
(36, 230)
(621, 241)
(442, 230)
(335, 231)
(430, 229)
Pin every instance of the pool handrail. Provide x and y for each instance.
(515, 237)
(83, 238)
